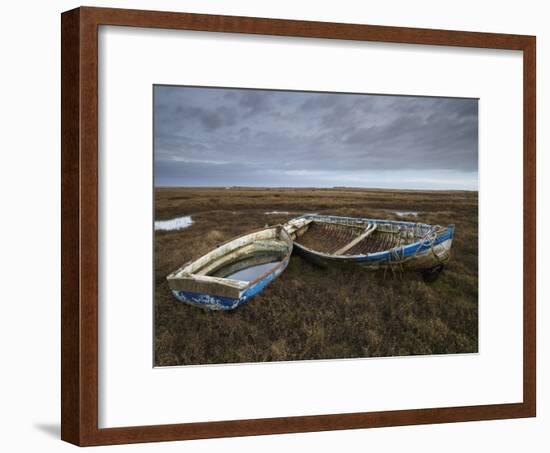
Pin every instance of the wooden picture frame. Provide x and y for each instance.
(79, 313)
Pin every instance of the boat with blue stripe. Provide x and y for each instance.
(240, 269)
(372, 243)
(234, 272)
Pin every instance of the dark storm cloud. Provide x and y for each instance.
(254, 102)
(253, 137)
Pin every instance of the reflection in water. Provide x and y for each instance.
(251, 273)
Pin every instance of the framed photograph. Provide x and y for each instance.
(276, 226)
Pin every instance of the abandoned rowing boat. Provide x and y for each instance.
(234, 272)
(371, 243)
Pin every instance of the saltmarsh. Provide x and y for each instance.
(310, 312)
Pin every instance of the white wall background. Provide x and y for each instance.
(30, 229)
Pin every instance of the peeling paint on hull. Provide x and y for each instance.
(203, 282)
(228, 303)
(422, 260)
(417, 254)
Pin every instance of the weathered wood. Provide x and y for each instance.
(330, 240)
(297, 227)
(208, 285)
(275, 248)
(370, 229)
(197, 283)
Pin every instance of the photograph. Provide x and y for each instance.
(303, 225)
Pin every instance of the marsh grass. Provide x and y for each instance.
(310, 312)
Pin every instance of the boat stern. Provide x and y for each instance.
(208, 301)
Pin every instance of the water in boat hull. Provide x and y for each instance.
(234, 272)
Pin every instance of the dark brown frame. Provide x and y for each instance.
(79, 282)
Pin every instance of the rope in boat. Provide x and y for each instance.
(396, 256)
(431, 236)
(396, 259)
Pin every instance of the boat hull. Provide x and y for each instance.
(423, 260)
(234, 272)
(215, 302)
(420, 255)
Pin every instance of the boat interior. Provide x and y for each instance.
(341, 237)
(244, 258)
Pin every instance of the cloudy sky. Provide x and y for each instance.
(226, 137)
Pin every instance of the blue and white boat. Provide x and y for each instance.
(372, 243)
(234, 272)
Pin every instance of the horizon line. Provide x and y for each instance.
(317, 187)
